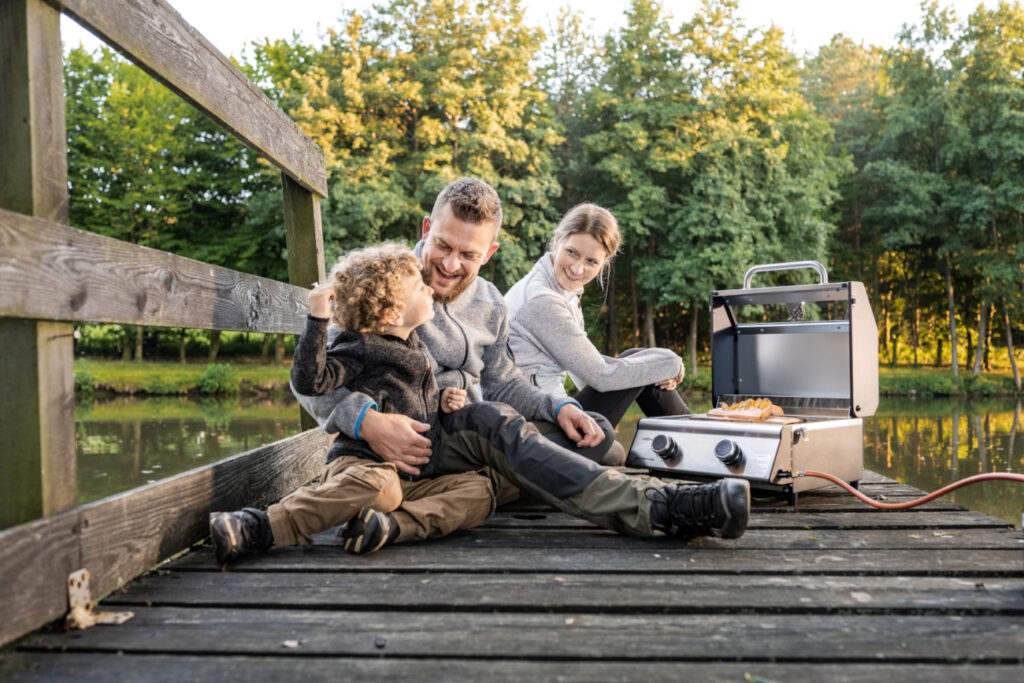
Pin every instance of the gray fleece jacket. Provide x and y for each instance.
(548, 338)
(468, 338)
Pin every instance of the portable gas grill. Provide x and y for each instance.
(811, 349)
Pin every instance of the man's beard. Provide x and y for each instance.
(453, 294)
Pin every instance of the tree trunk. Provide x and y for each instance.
(181, 346)
(126, 339)
(636, 305)
(893, 343)
(138, 343)
(988, 337)
(1009, 347)
(214, 345)
(279, 349)
(884, 345)
(649, 325)
(938, 352)
(265, 351)
(951, 305)
(694, 320)
(612, 341)
(970, 345)
(917, 328)
(982, 324)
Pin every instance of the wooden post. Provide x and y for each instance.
(37, 403)
(305, 242)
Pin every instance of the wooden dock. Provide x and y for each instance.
(829, 590)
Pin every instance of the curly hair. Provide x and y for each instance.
(368, 286)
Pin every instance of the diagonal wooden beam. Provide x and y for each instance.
(155, 37)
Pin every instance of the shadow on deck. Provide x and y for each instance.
(829, 590)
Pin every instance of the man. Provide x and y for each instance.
(468, 338)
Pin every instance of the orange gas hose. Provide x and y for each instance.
(924, 499)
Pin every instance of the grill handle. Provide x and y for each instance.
(792, 265)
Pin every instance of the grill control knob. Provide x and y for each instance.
(729, 453)
(665, 447)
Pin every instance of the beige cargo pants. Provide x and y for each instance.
(423, 509)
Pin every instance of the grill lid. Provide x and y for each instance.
(813, 349)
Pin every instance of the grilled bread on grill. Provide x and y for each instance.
(750, 409)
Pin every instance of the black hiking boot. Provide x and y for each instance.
(369, 531)
(238, 533)
(720, 509)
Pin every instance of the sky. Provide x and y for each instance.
(231, 24)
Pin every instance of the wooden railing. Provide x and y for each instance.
(52, 275)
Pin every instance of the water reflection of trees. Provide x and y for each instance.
(119, 454)
(929, 444)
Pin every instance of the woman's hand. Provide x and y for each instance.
(672, 382)
(320, 301)
(452, 399)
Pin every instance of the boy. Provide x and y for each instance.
(377, 297)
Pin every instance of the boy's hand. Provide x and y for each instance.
(579, 426)
(452, 399)
(320, 300)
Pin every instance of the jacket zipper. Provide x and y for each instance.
(465, 339)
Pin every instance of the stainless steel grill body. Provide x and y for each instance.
(823, 371)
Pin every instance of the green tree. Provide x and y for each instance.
(911, 179)
(709, 155)
(989, 157)
(146, 167)
(414, 94)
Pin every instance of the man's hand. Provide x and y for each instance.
(671, 383)
(452, 399)
(397, 439)
(579, 426)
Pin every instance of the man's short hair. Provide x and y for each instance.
(471, 200)
(368, 286)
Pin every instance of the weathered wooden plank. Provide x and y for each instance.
(97, 668)
(768, 538)
(952, 540)
(35, 560)
(125, 535)
(37, 404)
(659, 593)
(122, 536)
(918, 519)
(639, 556)
(154, 36)
(54, 272)
(683, 637)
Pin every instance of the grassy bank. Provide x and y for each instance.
(164, 379)
(161, 379)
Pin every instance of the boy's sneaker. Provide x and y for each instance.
(238, 533)
(369, 531)
(719, 509)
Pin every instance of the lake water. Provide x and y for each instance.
(128, 442)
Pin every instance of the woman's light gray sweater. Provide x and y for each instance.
(547, 338)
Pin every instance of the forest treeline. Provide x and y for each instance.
(715, 146)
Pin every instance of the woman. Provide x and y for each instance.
(547, 337)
